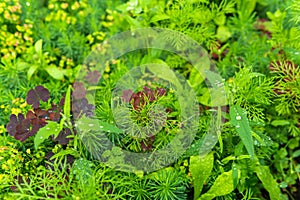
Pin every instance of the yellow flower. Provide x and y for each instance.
(2, 130)
(16, 111)
(10, 162)
(15, 100)
(23, 105)
(28, 151)
(5, 167)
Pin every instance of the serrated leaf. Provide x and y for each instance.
(238, 118)
(269, 183)
(52, 128)
(54, 72)
(31, 71)
(223, 185)
(82, 168)
(200, 168)
(38, 46)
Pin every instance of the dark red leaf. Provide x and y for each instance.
(93, 77)
(35, 95)
(79, 91)
(126, 96)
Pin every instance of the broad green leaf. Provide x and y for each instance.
(22, 65)
(296, 154)
(280, 122)
(223, 33)
(31, 71)
(213, 97)
(86, 124)
(223, 185)
(38, 46)
(164, 72)
(52, 128)
(246, 7)
(54, 72)
(133, 22)
(82, 168)
(195, 79)
(238, 118)
(200, 168)
(159, 17)
(269, 183)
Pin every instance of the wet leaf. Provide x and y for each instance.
(238, 118)
(200, 168)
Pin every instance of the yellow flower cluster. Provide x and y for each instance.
(15, 39)
(10, 163)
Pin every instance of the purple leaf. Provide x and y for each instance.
(81, 106)
(79, 91)
(35, 95)
(14, 121)
(62, 136)
(93, 77)
(127, 95)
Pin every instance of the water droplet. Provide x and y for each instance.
(100, 126)
(47, 128)
(90, 125)
(237, 126)
(41, 137)
(238, 117)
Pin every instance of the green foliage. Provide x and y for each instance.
(238, 118)
(52, 128)
(200, 169)
(168, 184)
(223, 185)
(255, 46)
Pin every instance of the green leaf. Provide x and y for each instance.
(133, 22)
(62, 153)
(38, 46)
(54, 72)
(67, 104)
(246, 7)
(159, 17)
(52, 128)
(223, 185)
(235, 174)
(280, 122)
(90, 124)
(238, 118)
(296, 153)
(31, 71)
(269, 183)
(200, 168)
(223, 33)
(82, 168)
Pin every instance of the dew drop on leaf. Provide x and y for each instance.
(238, 117)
